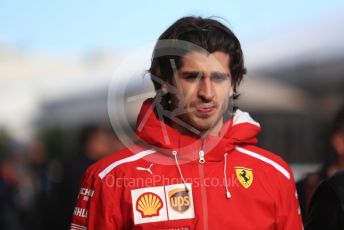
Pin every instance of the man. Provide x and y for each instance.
(194, 164)
(94, 142)
(334, 163)
(327, 206)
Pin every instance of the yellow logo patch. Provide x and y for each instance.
(149, 204)
(245, 176)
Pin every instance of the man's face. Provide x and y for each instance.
(338, 143)
(203, 85)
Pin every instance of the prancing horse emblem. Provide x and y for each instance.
(245, 176)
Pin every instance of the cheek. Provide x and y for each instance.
(224, 89)
(187, 91)
(338, 144)
(225, 103)
(225, 93)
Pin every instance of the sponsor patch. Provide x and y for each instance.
(149, 205)
(245, 176)
(81, 212)
(162, 203)
(86, 193)
(180, 201)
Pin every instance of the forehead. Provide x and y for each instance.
(216, 61)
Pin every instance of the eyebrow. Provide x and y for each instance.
(184, 73)
(190, 73)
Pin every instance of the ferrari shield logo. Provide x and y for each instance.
(245, 176)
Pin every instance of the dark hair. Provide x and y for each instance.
(205, 33)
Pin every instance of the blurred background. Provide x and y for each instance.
(57, 60)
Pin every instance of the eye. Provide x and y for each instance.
(192, 76)
(219, 76)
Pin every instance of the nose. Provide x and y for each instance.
(205, 89)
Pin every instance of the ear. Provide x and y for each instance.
(164, 89)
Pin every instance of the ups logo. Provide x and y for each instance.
(179, 200)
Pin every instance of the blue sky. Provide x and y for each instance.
(80, 26)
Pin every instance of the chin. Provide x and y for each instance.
(203, 126)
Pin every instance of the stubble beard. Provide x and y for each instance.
(204, 126)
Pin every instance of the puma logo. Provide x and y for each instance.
(146, 169)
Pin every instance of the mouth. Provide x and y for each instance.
(205, 108)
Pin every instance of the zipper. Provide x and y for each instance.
(203, 187)
(201, 153)
(201, 157)
(204, 197)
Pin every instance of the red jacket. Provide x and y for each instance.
(180, 182)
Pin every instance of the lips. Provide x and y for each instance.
(205, 108)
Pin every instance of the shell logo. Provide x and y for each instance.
(149, 204)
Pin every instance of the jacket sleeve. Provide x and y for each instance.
(289, 214)
(97, 205)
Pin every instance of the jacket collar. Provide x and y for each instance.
(240, 129)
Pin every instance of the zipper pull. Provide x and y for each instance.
(201, 157)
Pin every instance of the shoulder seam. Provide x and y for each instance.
(135, 157)
(266, 160)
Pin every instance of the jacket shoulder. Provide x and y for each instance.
(267, 159)
(110, 163)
